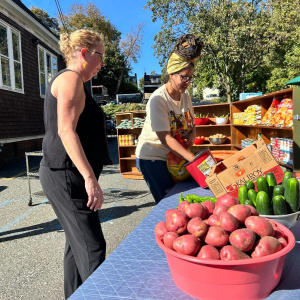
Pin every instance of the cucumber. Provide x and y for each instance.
(291, 194)
(279, 205)
(249, 202)
(271, 182)
(250, 185)
(262, 185)
(271, 179)
(263, 203)
(278, 190)
(286, 176)
(242, 194)
(252, 196)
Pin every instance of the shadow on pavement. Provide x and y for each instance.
(37, 229)
(17, 166)
(105, 214)
(124, 195)
(2, 188)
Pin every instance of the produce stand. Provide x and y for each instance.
(138, 269)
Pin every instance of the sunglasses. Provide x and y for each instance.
(186, 78)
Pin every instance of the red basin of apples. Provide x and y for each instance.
(199, 140)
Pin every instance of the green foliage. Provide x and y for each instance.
(248, 44)
(110, 73)
(111, 109)
(51, 23)
(128, 88)
(141, 83)
(116, 64)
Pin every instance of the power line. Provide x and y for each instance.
(61, 16)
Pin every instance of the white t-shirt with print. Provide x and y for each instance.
(163, 114)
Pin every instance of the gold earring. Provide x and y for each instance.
(84, 64)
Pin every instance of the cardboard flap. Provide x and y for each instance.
(219, 167)
(259, 143)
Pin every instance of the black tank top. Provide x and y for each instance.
(90, 129)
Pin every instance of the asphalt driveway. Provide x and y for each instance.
(32, 240)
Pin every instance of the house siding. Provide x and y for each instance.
(21, 114)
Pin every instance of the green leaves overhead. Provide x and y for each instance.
(118, 54)
(244, 40)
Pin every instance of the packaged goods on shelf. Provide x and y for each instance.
(247, 142)
(138, 122)
(252, 115)
(124, 124)
(284, 114)
(238, 118)
(282, 150)
(127, 139)
(267, 120)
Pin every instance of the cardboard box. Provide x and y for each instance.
(247, 164)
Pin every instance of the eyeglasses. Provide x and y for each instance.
(186, 78)
(99, 53)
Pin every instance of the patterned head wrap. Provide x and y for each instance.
(186, 51)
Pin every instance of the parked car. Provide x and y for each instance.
(211, 96)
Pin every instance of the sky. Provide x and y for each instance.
(124, 15)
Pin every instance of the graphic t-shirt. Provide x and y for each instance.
(164, 114)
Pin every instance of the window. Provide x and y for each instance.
(11, 73)
(155, 80)
(47, 68)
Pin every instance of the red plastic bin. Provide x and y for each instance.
(200, 166)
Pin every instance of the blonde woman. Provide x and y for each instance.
(74, 151)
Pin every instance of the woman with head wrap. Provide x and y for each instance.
(169, 114)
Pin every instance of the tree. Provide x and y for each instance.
(128, 88)
(243, 38)
(131, 49)
(284, 61)
(51, 23)
(118, 54)
(90, 17)
(141, 83)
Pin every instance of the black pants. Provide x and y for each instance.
(85, 244)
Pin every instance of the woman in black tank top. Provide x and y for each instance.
(74, 151)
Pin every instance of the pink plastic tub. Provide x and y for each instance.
(247, 279)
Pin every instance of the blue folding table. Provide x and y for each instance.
(138, 269)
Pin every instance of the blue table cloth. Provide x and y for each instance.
(138, 268)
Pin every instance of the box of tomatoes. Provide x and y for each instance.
(247, 164)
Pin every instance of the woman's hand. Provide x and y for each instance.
(190, 138)
(95, 194)
(169, 141)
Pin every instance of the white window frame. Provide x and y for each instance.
(45, 70)
(12, 87)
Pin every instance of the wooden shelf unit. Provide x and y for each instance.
(212, 128)
(236, 133)
(127, 159)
